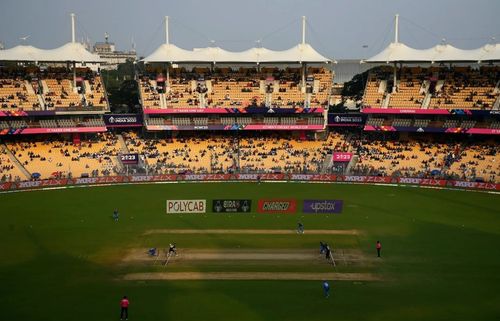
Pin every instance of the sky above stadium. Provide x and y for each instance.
(338, 29)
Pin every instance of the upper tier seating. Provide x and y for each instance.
(433, 88)
(226, 88)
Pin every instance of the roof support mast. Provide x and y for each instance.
(73, 41)
(167, 41)
(396, 40)
(303, 30)
(396, 28)
(72, 27)
(304, 66)
(303, 43)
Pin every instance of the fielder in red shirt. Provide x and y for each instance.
(379, 247)
(124, 308)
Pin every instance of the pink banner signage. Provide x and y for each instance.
(312, 177)
(98, 180)
(485, 131)
(416, 111)
(264, 177)
(238, 110)
(234, 127)
(370, 128)
(283, 127)
(152, 178)
(477, 185)
(5, 186)
(188, 111)
(366, 179)
(63, 130)
(342, 157)
(422, 181)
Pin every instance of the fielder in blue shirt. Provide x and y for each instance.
(326, 289)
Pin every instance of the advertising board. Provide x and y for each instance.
(277, 206)
(231, 206)
(186, 206)
(322, 206)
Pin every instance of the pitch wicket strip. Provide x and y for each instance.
(251, 276)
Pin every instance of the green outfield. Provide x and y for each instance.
(64, 258)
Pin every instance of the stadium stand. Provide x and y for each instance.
(9, 172)
(410, 89)
(200, 154)
(52, 88)
(389, 154)
(56, 157)
(16, 93)
(227, 88)
(251, 153)
(376, 86)
(426, 157)
(466, 88)
(433, 88)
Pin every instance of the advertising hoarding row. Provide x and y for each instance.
(419, 111)
(265, 206)
(58, 130)
(249, 177)
(242, 110)
(451, 130)
(233, 127)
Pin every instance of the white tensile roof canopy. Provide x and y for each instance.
(399, 52)
(170, 53)
(72, 51)
(301, 53)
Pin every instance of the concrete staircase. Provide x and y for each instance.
(29, 88)
(352, 163)
(496, 105)
(163, 101)
(327, 163)
(208, 83)
(88, 89)
(41, 101)
(427, 101)
(382, 87)
(387, 100)
(439, 85)
(45, 87)
(16, 162)
(123, 145)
